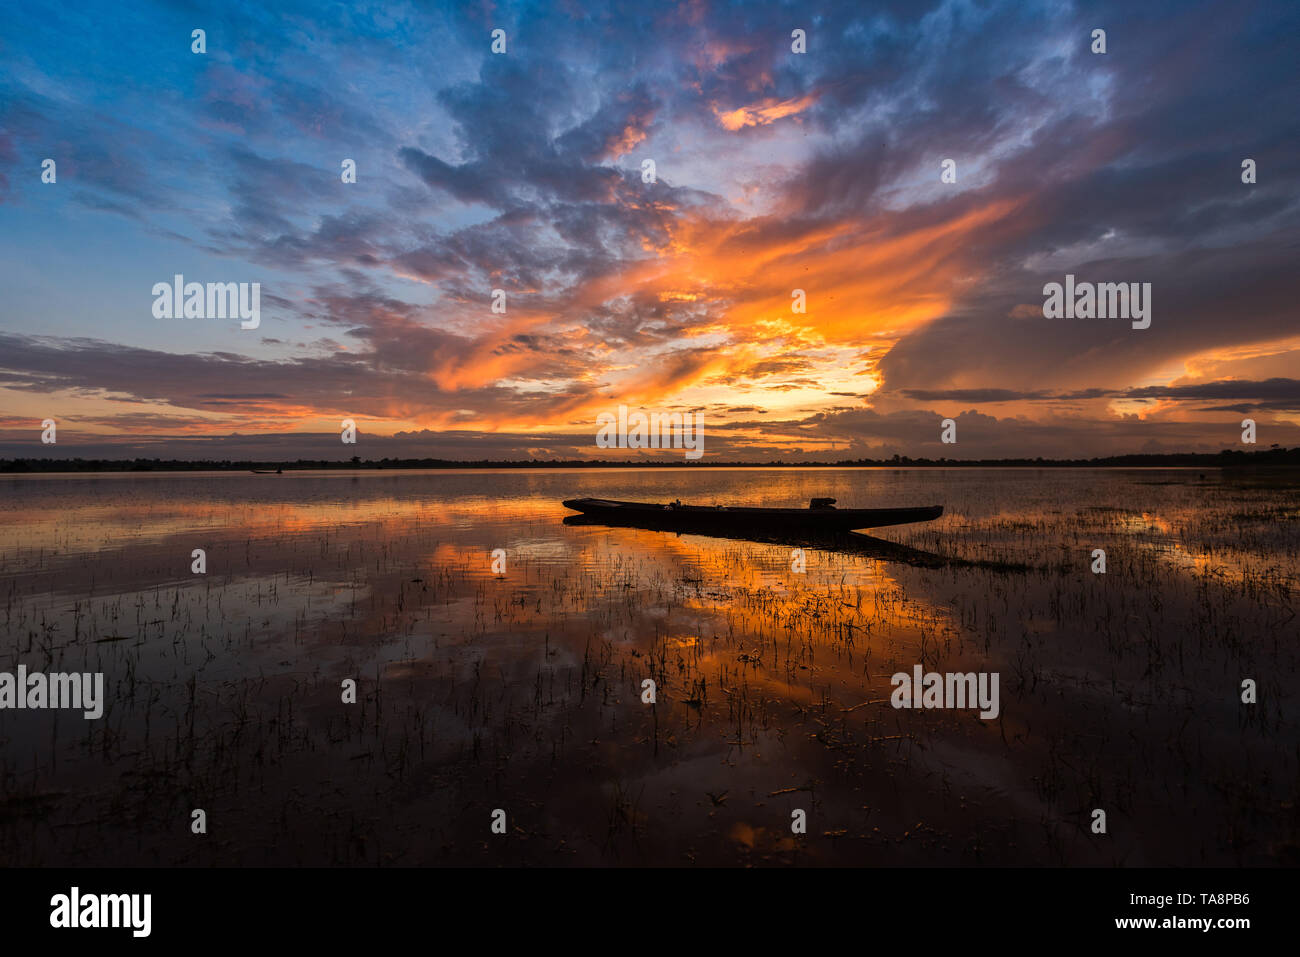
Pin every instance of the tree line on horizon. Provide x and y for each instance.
(1223, 459)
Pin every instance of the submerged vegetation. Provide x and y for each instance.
(521, 688)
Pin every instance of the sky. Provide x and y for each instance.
(523, 171)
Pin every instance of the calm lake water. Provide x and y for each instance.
(522, 690)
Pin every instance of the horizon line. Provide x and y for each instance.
(1224, 458)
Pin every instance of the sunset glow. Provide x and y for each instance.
(774, 172)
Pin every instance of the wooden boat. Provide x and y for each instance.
(821, 517)
(267, 471)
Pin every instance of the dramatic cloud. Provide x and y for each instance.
(681, 213)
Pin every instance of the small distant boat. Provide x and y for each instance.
(268, 471)
(821, 517)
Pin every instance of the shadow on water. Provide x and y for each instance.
(852, 543)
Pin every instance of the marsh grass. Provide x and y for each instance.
(523, 691)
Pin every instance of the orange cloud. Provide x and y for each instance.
(625, 141)
(868, 282)
(762, 114)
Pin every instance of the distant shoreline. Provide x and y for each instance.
(1287, 458)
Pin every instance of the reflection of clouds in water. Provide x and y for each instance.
(767, 678)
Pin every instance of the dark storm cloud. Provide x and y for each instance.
(1159, 174)
(1276, 393)
(1202, 300)
(391, 381)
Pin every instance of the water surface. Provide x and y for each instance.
(523, 691)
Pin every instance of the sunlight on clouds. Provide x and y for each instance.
(762, 114)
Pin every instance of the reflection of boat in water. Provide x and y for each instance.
(844, 541)
(268, 471)
(820, 518)
(851, 543)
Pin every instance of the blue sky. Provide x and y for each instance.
(522, 171)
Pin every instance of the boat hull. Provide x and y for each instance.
(807, 520)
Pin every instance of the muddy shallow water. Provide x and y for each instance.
(521, 689)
